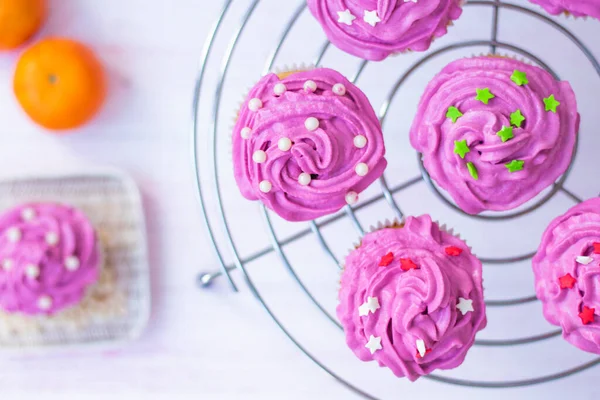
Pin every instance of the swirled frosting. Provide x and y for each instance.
(494, 131)
(411, 298)
(49, 255)
(578, 8)
(306, 144)
(567, 274)
(375, 29)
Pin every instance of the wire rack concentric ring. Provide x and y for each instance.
(386, 196)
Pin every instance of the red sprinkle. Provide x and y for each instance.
(453, 251)
(427, 351)
(407, 264)
(567, 281)
(587, 315)
(596, 248)
(386, 260)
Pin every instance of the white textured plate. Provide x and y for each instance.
(113, 203)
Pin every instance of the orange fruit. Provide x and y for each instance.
(59, 83)
(19, 20)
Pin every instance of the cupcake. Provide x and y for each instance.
(49, 257)
(375, 29)
(411, 298)
(306, 143)
(494, 131)
(577, 8)
(567, 275)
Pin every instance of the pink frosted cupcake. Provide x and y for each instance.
(306, 144)
(577, 8)
(411, 298)
(567, 274)
(375, 29)
(49, 256)
(494, 132)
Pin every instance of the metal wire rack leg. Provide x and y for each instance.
(278, 244)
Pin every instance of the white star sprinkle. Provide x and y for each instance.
(372, 18)
(464, 305)
(585, 260)
(421, 348)
(370, 306)
(373, 344)
(346, 17)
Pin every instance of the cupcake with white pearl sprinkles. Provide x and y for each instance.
(373, 30)
(494, 132)
(411, 298)
(567, 275)
(49, 257)
(306, 144)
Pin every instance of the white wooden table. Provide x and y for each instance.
(203, 345)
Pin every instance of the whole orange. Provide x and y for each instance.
(19, 20)
(59, 83)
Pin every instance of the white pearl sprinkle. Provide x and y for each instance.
(7, 265)
(310, 86)
(304, 179)
(351, 197)
(265, 186)
(360, 141)
(32, 271)
(362, 169)
(245, 133)
(339, 89)
(259, 156)
(284, 144)
(52, 238)
(279, 89)
(28, 214)
(311, 123)
(72, 263)
(44, 303)
(255, 104)
(14, 234)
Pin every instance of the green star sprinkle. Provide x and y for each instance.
(519, 77)
(453, 113)
(506, 133)
(517, 118)
(473, 170)
(461, 148)
(515, 165)
(484, 95)
(551, 103)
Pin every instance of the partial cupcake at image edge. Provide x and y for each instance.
(576, 8)
(411, 298)
(51, 270)
(375, 30)
(494, 132)
(306, 143)
(567, 275)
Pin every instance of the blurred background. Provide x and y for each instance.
(214, 344)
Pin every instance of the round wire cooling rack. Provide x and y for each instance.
(386, 196)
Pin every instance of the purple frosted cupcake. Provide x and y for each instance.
(494, 131)
(411, 298)
(49, 256)
(375, 29)
(306, 144)
(567, 274)
(577, 8)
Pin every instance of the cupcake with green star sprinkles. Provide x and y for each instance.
(494, 132)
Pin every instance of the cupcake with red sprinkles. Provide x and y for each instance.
(567, 275)
(411, 298)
